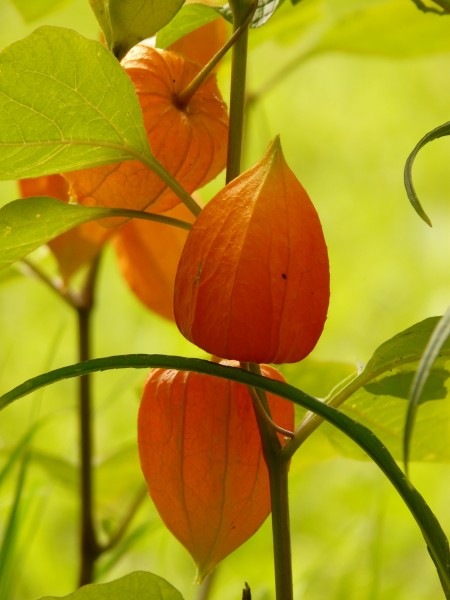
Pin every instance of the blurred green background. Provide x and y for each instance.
(350, 86)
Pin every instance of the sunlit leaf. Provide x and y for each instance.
(378, 397)
(65, 103)
(78, 246)
(26, 225)
(136, 586)
(442, 130)
(31, 11)
(189, 18)
(425, 370)
(190, 143)
(135, 20)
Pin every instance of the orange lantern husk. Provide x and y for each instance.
(253, 280)
(148, 255)
(201, 456)
(190, 141)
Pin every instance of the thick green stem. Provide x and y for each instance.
(278, 476)
(89, 548)
(237, 91)
(277, 464)
(278, 467)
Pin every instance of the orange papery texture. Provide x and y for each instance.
(148, 255)
(201, 456)
(190, 141)
(76, 247)
(253, 279)
(203, 43)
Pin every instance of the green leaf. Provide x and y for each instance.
(136, 586)
(436, 133)
(31, 11)
(378, 396)
(101, 12)
(27, 224)
(264, 11)
(422, 377)
(65, 104)
(190, 17)
(135, 20)
(434, 536)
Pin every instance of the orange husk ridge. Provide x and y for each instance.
(253, 279)
(201, 455)
(189, 141)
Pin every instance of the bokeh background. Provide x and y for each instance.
(350, 86)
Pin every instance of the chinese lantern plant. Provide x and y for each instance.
(201, 455)
(252, 285)
(253, 279)
(188, 139)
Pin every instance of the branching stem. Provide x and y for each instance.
(185, 96)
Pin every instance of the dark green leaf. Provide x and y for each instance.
(136, 586)
(135, 20)
(434, 536)
(424, 375)
(27, 224)
(189, 18)
(65, 104)
(436, 133)
(444, 4)
(378, 396)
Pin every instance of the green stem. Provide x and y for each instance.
(240, 10)
(172, 184)
(278, 477)
(185, 96)
(89, 548)
(278, 467)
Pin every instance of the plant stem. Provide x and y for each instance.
(278, 477)
(185, 96)
(278, 467)
(277, 464)
(237, 92)
(89, 548)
